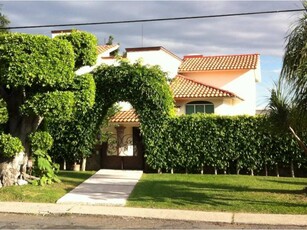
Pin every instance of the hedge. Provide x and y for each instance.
(193, 142)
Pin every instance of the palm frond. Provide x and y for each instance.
(294, 69)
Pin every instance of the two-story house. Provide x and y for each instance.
(222, 85)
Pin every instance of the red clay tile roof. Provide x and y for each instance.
(125, 116)
(184, 87)
(225, 62)
(103, 48)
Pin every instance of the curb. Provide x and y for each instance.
(170, 214)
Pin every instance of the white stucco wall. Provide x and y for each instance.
(240, 82)
(167, 62)
(222, 106)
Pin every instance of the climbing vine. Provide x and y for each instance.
(144, 87)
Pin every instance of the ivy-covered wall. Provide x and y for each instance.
(193, 143)
(144, 87)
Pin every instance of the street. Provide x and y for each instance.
(21, 221)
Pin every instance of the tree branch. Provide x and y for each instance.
(299, 141)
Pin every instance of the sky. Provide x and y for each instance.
(263, 34)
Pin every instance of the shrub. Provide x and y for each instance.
(9, 146)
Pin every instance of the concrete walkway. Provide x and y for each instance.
(168, 214)
(105, 187)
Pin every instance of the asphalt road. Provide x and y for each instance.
(21, 221)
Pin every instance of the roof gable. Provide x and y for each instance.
(103, 48)
(224, 62)
(125, 116)
(184, 87)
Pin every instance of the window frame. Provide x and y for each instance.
(195, 104)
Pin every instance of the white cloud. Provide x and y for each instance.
(262, 34)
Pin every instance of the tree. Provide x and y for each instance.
(294, 68)
(288, 102)
(4, 22)
(37, 82)
(110, 40)
(285, 114)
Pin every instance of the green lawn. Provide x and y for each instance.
(45, 194)
(221, 193)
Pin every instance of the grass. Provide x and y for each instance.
(230, 193)
(45, 194)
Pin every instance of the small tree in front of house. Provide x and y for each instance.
(37, 82)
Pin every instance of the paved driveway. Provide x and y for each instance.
(105, 187)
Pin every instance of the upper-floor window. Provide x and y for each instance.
(199, 107)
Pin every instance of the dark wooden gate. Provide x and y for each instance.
(120, 161)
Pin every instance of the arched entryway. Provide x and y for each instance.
(147, 90)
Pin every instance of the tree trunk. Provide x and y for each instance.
(83, 166)
(277, 170)
(266, 169)
(252, 172)
(202, 169)
(11, 171)
(215, 171)
(76, 167)
(292, 168)
(64, 164)
(18, 126)
(172, 171)
(238, 171)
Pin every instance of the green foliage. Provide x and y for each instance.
(110, 40)
(144, 87)
(37, 81)
(294, 66)
(191, 142)
(74, 137)
(9, 146)
(147, 90)
(286, 115)
(41, 142)
(57, 105)
(104, 134)
(35, 61)
(3, 112)
(84, 96)
(4, 22)
(84, 45)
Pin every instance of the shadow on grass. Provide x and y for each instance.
(214, 195)
(186, 185)
(288, 182)
(74, 178)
